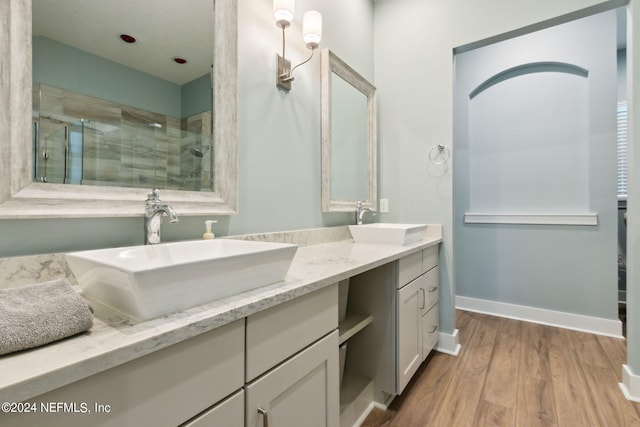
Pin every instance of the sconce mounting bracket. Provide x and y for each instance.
(283, 73)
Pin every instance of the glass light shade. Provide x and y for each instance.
(283, 11)
(312, 28)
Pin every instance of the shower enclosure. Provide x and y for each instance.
(90, 141)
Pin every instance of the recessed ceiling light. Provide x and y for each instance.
(127, 38)
(180, 60)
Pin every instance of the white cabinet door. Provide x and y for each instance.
(409, 332)
(303, 391)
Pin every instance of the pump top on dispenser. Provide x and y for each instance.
(208, 233)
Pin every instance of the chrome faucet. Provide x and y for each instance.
(153, 212)
(360, 211)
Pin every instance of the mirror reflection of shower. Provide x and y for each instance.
(118, 145)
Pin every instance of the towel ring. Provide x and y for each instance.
(439, 154)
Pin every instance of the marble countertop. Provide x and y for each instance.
(115, 339)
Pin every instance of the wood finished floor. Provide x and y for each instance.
(513, 373)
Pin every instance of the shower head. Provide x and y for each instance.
(198, 151)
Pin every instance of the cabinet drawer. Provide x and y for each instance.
(409, 268)
(430, 330)
(277, 333)
(429, 258)
(228, 413)
(431, 286)
(165, 388)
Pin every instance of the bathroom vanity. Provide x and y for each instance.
(267, 356)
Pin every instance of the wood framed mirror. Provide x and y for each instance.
(349, 137)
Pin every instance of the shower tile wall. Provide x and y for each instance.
(126, 146)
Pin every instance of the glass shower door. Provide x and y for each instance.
(51, 157)
(74, 153)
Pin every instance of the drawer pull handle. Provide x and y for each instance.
(424, 299)
(433, 329)
(435, 288)
(265, 417)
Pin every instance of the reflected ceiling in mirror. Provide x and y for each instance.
(123, 93)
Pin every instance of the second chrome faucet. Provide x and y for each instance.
(361, 210)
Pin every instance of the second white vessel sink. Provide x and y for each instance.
(388, 233)
(150, 281)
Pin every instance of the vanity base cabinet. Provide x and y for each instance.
(418, 324)
(302, 391)
(417, 312)
(285, 358)
(165, 388)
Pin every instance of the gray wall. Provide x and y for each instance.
(561, 168)
(196, 96)
(414, 43)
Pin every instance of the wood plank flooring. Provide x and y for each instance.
(513, 373)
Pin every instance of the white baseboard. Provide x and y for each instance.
(560, 319)
(448, 343)
(630, 384)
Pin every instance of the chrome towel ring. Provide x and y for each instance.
(439, 154)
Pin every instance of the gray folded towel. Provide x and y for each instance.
(35, 315)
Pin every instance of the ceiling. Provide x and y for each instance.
(164, 29)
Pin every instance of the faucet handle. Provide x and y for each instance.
(154, 196)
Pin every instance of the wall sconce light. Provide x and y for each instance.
(283, 11)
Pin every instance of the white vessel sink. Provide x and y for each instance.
(392, 234)
(149, 281)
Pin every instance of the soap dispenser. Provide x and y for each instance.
(208, 234)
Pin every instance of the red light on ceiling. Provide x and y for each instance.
(180, 60)
(127, 38)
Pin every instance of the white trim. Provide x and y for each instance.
(448, 343)
(531, 219)
(560, 319)
(630, 384)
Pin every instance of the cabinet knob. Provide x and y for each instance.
(435, 288)
(424, 299)
(433, 329)
(265, 417)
